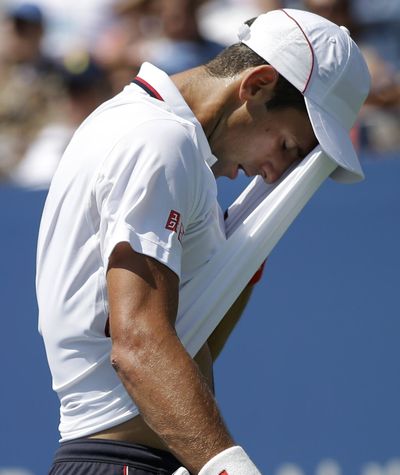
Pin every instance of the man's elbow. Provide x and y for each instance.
(129, 359)
(117, 361)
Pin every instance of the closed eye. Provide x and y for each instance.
(295, 151)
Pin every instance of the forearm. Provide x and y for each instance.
(173, 398)
(159, 375)
(220, 335)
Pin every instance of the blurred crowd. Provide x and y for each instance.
(59, 60)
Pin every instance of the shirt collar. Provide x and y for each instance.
(163, 84)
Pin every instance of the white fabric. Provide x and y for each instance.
(181, 471)
(321, 60)
(107, 189)
(256, 222)
(280, 43)
(232, 461)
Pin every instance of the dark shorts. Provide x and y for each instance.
(107, 457)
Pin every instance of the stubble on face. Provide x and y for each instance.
(263, 142)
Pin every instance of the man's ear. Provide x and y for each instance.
(258, 83)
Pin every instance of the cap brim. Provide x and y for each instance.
(335, 142)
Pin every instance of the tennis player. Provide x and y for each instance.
(132, 215)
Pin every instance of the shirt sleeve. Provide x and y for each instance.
(145, 192)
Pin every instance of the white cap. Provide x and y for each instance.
(321, 60)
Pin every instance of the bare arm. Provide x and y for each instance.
(220, 335)
(160, 376)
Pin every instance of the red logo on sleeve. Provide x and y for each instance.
(173, 221)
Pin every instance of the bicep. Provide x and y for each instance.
(142, 294)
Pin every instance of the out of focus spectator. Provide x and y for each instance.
(379, 34)
(29, 83)
(181, 45)
(71, 26)
(379, 27)
(23, 31)
(337, 11)
(121, 45)
(219, 19)
(42, 103)
(381, 113)
(85, 87)
(164, 32)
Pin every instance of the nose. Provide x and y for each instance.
(269, 173)
(274, 166)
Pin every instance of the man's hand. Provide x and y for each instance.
(160, 376)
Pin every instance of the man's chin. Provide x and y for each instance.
(230, 172)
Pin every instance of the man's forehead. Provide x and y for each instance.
(304, 133)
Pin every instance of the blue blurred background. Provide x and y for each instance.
(309, 382)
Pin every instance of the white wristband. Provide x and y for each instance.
(181, 471)
(232, 461)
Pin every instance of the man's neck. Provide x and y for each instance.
(208, 97)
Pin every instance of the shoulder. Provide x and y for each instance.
(158, 153)
(165, 131)
(141, 124)
(157, 142)
(131, 110)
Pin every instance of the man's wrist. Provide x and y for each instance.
(231, 461)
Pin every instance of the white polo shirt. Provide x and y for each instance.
(137, 170)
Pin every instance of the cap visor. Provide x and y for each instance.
(335, 142)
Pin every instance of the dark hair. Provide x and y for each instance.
(238, 57)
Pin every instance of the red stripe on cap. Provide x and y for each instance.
(149, 86)
(224, 472)
(309, 44)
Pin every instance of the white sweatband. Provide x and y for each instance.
(181, 471)
(232, 461)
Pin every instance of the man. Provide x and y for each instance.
(132, 215)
